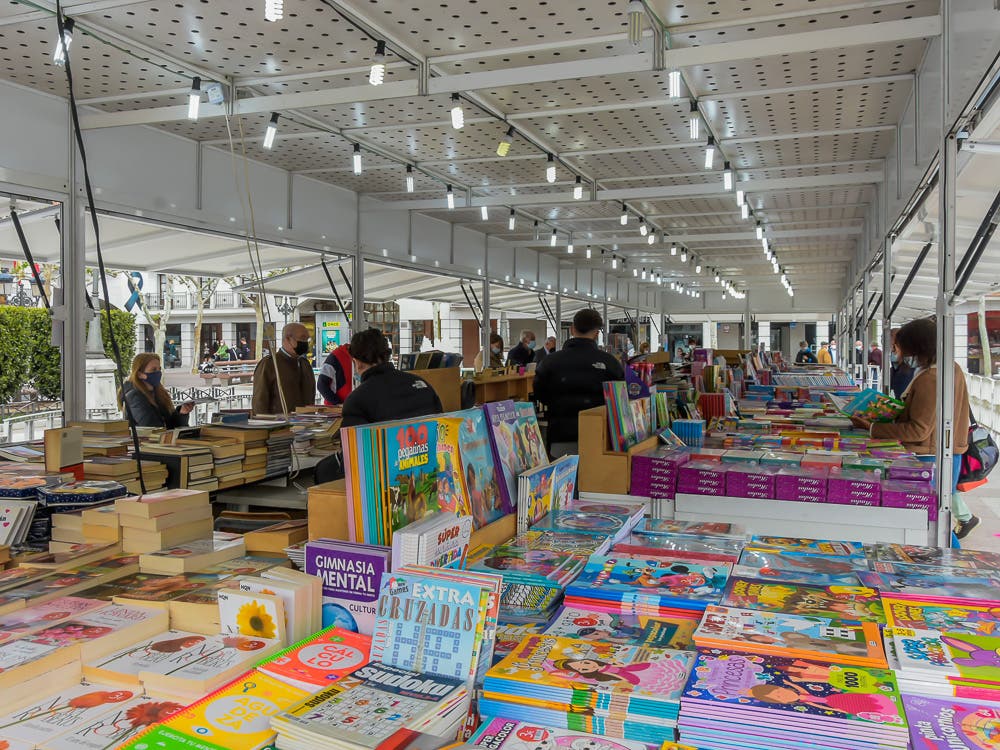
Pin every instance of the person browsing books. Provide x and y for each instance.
(805, 355)
(572, 379)
(336, 380)
(493, 359)
(823, 356)
(916, 425)
(384, 392)
(524, 351)
(547, 348)
(900, 368)
(284, 381)
(148, 401)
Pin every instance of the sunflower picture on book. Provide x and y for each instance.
(254, 619)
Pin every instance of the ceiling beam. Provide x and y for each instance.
(708, 54)
(661, 192)
(662, 9)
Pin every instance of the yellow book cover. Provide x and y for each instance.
(239, 714)
(453, 495)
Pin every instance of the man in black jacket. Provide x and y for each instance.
(571, 380)
(384, 392)
(524, 351)
(547, 348)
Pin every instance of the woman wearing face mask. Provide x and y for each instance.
(496, 355)
(901, 370)
(916, 425)
(147, 399)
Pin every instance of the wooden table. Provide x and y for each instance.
(490, 388)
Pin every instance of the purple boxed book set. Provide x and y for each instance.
(750, 480)
(802, 484)
(911, 470)
(702, 478)
(654, 472)
(915, 495)
(852, 487)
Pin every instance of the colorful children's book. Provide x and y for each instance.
(237, 715)
(411, 472)
(653, 526)
(951, 723)
(846, 604)
(440, 540)
(869, 404)
(944, 615)
(779, 634)
(510, 634)
(626, 629)
(812, 546)
(479, 467)
(535, 497)
(531, 435)
(795, 576)
(562, 541)
(957, 657)
(509, 457)
(525, 565)
(506, 734)
(319, 660)
(648, 585)
(618, 527)
(376, 706)
(352, 575)
(776, 693)
(936, 556)
(795, 562)
(931, 584)
(452, 494)
(40, 616)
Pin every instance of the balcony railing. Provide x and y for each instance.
(186, 301)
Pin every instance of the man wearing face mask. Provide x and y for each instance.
(524, 351)
(547, 348)
(289, 371)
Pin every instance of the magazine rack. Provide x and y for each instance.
(601, 468)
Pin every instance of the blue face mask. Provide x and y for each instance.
(894, 358)
(531, 344)
(154, 378)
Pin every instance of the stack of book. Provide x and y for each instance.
(351, 575)
(279, 452)
(126, 470)
(617, 526)
(300, 596)
(506, 734)
(440, 540)
(318, 661)
(656, 586)
(624, 691)
(188, 466)
(164, 519)
(375, 706)
(227, 453)
(195, 555)
(545, 489)
(744, 700)
(929, 662)
(271, 541)
(252, 440)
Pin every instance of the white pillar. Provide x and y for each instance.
(708, 336)
(822, 332)
(764, 334)
(962, 341)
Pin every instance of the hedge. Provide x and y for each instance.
(27, 356)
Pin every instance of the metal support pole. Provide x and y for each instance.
(484, 328)
(747, 322)
(359, 321)
(607, 326)
(887, 314)
(74, 282)
(558, 319)
(945, 302)
(853, 335)
(866, 378)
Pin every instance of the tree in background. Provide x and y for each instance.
(258, 302)
(157, 319)
(202, 288)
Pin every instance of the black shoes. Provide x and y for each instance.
(964, 527)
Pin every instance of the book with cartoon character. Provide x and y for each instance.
(531, 435)
(937, 556)
(452, 494)
(932, 584)
(811, 546)
(411, 459)
(506, 734)
(951, 724)
(797, 562)
(944, 615)
(479, 467)
(618, 627)
(851, 605)
(769, 697)
(649, 584)
(552, 672)
(544, 489)
(795, 576)
(509, 454)
(815, 638)
(524, 565)
(617, 526)
(957, 657)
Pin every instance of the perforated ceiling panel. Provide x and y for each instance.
(805, 132)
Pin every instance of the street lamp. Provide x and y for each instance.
(285, 305)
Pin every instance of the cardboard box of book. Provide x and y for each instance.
(601, 468)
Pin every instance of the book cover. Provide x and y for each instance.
(510, 634)
(561, 667)
(525, 565)
(561, 541)
(936, 556)
(974, 658)
(62, 711)
(319, 660)
(411, 471)
(848, 604)
(779, 634)
(795, 562)
(931, 583)
(124, 722)
(814, 546)
(101, 631)
(237, 715)
(440, 540)
(532, 448)
(626, 629)
(370, 705)
(40, 616)
(452, 494)
(432, 624)
(507, 734)
(691, 528)
(151, 587)
(351, 575)
(795, 576)
(503, 419)
(535, 495)
(254, 615)
(583, 523)
(479, 467)
(951, 723)
(159, 654)
(779, 692)
(650, 582)
(194, 554)
(944, 615)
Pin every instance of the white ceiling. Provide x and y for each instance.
(804, 120)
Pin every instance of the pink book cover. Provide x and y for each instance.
(50, 612)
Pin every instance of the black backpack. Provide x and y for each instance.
(979, 459)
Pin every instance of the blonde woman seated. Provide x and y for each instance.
(147, 399)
